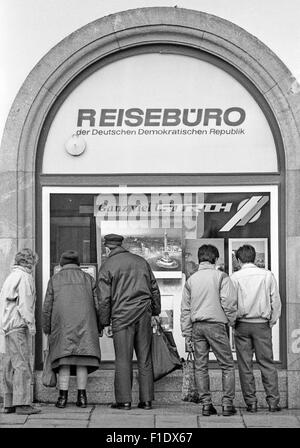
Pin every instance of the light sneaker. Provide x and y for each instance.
(27, 410)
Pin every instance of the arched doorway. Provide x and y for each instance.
(151, 31)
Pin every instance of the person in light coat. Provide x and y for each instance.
(17, 326)
(208, 305)
(259, 308)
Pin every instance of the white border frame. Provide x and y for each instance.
(274, 220)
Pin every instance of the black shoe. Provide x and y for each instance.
(252, 407)
(62, 399)
(208, 409)
(275, 408)
(123, 406)
(228, 410)
(9, 410)
(145, 405)
(81, 398)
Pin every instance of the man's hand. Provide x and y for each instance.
(155, 321)
(154, 324)
(189, 346)
(108, 331)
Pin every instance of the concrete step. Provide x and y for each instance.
(100, 388)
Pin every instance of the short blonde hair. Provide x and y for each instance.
(26, 258)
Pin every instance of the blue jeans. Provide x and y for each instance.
(17, 371)
(214, 335)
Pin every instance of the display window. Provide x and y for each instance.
(166, 226)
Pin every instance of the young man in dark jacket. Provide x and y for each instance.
(208, 304)
(129, 305)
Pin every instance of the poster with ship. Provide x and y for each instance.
(162, 247)
(260, 245)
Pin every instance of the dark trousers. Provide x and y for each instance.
(137, 336)
(214, 335)
(256, 338)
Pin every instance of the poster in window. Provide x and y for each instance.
(162, 247)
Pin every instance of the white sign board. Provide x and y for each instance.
(159, 113)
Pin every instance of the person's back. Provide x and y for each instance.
(208, 305)
(17, 300)
(73, 313)
(129, 303)
(131, 287)
(208, 287)
(131, 272)
(17, 325)
(259, 308)
(71, 321)
(257, 291)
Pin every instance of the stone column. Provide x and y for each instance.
(293, 288)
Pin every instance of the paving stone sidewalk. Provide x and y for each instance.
(175, 415)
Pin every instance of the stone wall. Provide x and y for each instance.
(1, 378)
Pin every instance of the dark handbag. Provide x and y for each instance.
(189, 389)
(48, 376)
(165, 358)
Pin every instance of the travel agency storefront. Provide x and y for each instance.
(173, 128)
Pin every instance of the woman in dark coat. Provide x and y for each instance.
(71, 321)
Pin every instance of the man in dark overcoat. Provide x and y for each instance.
(129, 305)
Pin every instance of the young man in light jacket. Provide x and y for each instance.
(208, 305)
(259, 308)
(17, 325)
